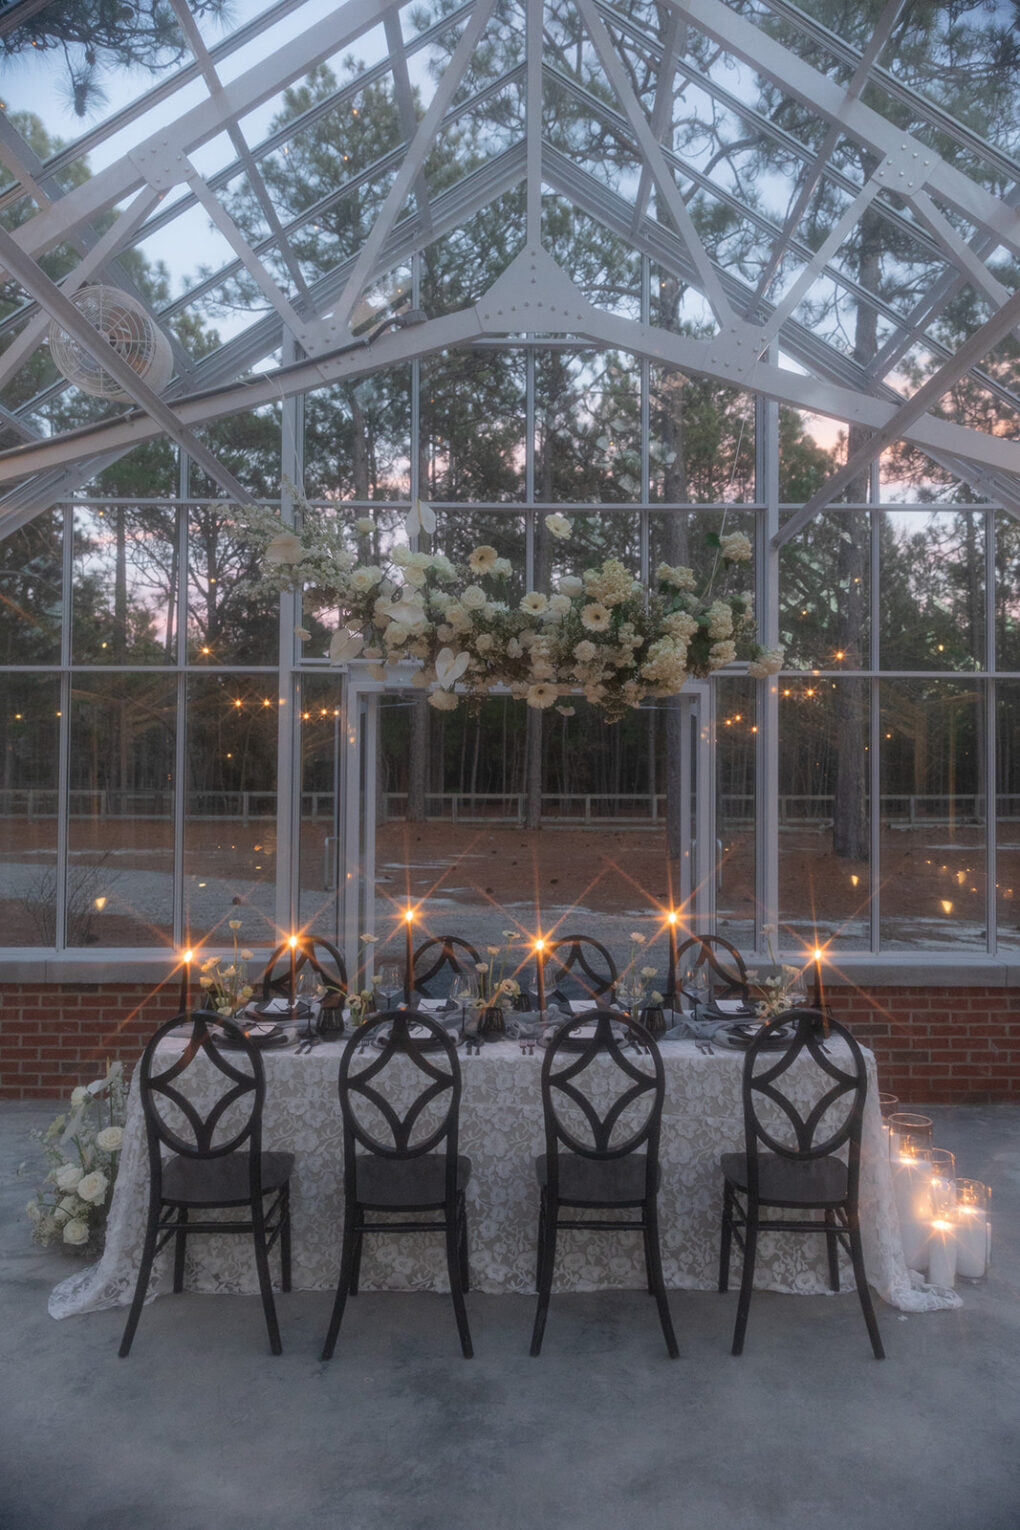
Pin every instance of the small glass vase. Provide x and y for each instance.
(492, 1023)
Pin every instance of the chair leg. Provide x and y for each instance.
(863, 1292)
(546, 1260)
(726, 1239)
(656, 1284)
(462, 1245)
(285, 1238)
(359, 1236)
(144, 1273)
(832, 1242)
(352, 1236)
(453, 1258)
(265, 1280)
(746, 1280)
(541, 1240)
(180, 1241)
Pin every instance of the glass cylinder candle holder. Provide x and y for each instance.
(942, 1252)
(943, 1182)
(973, 1203)
(887, 1104)
(909, 1134)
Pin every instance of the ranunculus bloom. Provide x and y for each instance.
(68, 1176)
(76, 1233)
(110, 1139)
(92, 1187)
(284, 549)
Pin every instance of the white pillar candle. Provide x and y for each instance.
(988, 1245)
(942, 1255)
(971, 1242)
(912, 1183)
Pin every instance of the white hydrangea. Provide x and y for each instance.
(735, 547)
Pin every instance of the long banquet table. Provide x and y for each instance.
(501, 1131)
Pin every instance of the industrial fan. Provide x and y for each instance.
(123, 325)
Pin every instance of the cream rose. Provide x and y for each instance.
(473, 598)
(284, 549)
(76, 1233)
(93, 1187)
(110, 1139)
(68, 1176)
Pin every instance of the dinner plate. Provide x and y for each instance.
(742, 1036)
(424, 1040)
(581, 1039)
(263, 1033)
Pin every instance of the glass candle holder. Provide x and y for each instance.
(943, 1182)
(942, 1252)
(910, 1135)
(973, 1228)
(887, 1104)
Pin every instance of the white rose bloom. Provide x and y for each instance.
(502, 568)
(484, 642)
(76, 1233)
(79, 1095)
(93, 1187)
(494, 608)
(401, 555)
(558, 525)
(571, 586)
(559, 605)
(69, 1205)
(110, 1139)
(365, 578)
(419, 560)
(415, 576)
(32, 1210)
(68, 1176)
(284, 549)
(365, 525)
(473, 598)
(444, 632)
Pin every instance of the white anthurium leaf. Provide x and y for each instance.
(450, 666)
(426, 515)
(345, 646)
(412, 521)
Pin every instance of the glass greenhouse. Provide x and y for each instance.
(562, 301)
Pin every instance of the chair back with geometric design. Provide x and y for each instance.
(310, 950)
(721, 960)
(805, 1099)
(439, 960)
(224, 1070)
(602, 1093)
(400, 1088)
(577, 967)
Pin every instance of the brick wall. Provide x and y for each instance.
(936, 1045)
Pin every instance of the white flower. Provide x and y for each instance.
(768, 662)
(541, 694)
(68, 1176)
(735, 548)
(722, 653)
(93, 1187)
(719, 619)
(502, 568)
(302, 633)
(648, 972)
(484, 642)
(681, 578)
(79, 1095)
(365, 578)
(637, 937)
(566, 711)
(76, 1233)
(472, 598)
(595, 616)
(534, 603)
(584, 651)
(558, 525)
(110, 1139)
(234, 924)
(246, 955)
(401, 555)
(558, 605)
(365, 524)
(482, 560)
(285, 548)
(571, 586)
(444, 701)
(414, 576)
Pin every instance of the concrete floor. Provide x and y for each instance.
(202, 1429)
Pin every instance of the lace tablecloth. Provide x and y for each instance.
(501, 1131)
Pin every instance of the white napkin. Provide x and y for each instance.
(730, 1006)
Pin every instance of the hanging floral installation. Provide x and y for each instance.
(600, 632)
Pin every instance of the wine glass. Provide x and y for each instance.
(695, 983)
(390, 984)
(463, 992)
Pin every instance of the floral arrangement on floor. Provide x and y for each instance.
(82, 1147)
(600, 632)
(225, 983)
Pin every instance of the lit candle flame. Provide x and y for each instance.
(292, 942)
(409, 915)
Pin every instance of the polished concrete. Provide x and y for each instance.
(202, 1429)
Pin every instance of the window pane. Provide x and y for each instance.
(736, 733)
(321, 723)
(1007, 863)
(228, 620)
(120, 825)
(29, 750)
(932, 590)
(1007, 593)
(31, 583)
(472, 425)
(125, 585)
(824, 813)
(933, 830)
(230, 828)
(824, 594)
(588, 427)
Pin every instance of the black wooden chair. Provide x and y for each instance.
(439, 960)
(721, 963)
(313, 951)
(408, 1175)
(577, 968)
(792, 1159)
(601, 1156)
(217, 1162)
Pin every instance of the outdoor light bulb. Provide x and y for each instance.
(100, 904)
(947, 907)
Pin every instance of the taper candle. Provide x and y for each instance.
(819, 996)
(185, 997)
(540, 964)
(409, 954)
(671, 974)
(293, 970)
